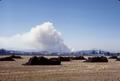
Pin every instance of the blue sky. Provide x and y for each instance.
(84, 24)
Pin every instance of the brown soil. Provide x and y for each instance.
(75, 70)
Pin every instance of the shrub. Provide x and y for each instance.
(78, 58)
(113, 57)
(97, 59)
(65, 58)
(7, 59)
(118, 59)
(16, 57)
(42, 61)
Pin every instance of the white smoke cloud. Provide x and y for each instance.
(43, 37)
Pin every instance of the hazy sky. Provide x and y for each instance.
(84, 24)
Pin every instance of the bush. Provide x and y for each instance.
(42, 61)
(7, 59)
(78, 58)
(16, 57)
(65, 58)
(118, 59)
(97, 59)
(113, 57)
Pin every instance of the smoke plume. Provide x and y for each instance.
(43, 37)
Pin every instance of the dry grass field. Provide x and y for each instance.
(75, 70)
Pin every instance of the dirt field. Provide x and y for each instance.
(69, 71)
